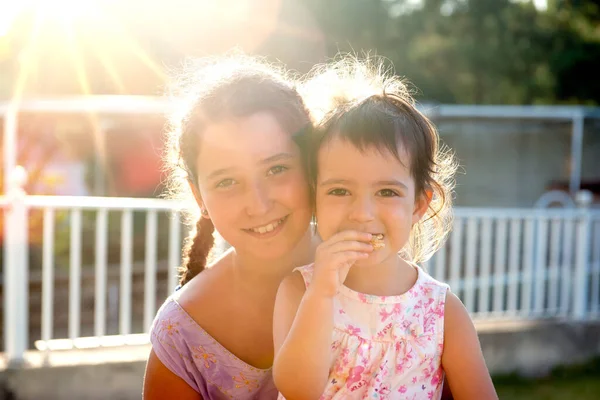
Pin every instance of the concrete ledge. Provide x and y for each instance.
(86, 374)
(533, 348)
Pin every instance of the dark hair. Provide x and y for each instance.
(213, 90)
(359, 101)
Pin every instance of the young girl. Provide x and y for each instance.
(233, 148)
(364, 321)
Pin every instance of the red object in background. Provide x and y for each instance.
(139, 173)
(136, 162)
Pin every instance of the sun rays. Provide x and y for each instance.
(74, 29)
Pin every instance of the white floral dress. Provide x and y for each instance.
(387, 347)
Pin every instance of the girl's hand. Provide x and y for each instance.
(334, 258)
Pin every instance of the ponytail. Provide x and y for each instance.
(198, 246)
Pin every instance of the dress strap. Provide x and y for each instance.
(307, 273)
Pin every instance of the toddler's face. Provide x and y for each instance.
(368, 191)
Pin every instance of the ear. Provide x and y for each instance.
(421, 205)
(198, 198)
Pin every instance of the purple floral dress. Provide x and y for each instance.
(191, 353)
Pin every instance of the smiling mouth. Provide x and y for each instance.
(377, 241)
(268, 227)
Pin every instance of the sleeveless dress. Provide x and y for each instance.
(210, 369)
(387, 347)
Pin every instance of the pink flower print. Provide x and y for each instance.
(345, 353)
(414, 379)
(353, 330)
(335, 345)
(341, 311)
(419, 305)
(416, 330)
(339, 367)
(241, 381)
(354, 375)
(437, 377)
(439, 310)
(405, 363)
(169, 326)
(429, 322)
(363, 297)
(383, 370)
(385, 314)
(381, 334)
(422, 340)
(384, 390)
(202, 354)
(398, 345)
(426, 290)
(430, 394)
(427, 372)
(402, 389)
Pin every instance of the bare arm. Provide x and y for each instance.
(462, 360)
(160, 383)
(302, 327)
(303, 320)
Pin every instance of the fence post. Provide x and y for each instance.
(15, 270)
(583, 199)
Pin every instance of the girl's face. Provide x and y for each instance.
(253, 185)
(368, 191)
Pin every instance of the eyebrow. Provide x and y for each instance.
(277, 157)
(389, 182)
(268, 160)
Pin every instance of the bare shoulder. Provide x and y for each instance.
(290, 293)
(458, 324)
(197, 298)
(455, 313)
(205, 286)
(292, 285)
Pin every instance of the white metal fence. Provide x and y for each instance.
(503, 263)
(17, 216)
(523, 263)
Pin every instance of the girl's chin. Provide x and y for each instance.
(376, 258)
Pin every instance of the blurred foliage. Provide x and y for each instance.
(454, 51)
(476, 51)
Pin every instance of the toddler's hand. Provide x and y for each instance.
(334, 258)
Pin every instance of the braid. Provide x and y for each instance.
(199, 244)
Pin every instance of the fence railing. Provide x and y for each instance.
(503, 263)
(523, 263)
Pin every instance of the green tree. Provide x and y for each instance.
(575, 55)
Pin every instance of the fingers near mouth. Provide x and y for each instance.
(377, 241)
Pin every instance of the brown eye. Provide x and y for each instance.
(225, 183)
(278, 169)
(387, 193)
(338, 192)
